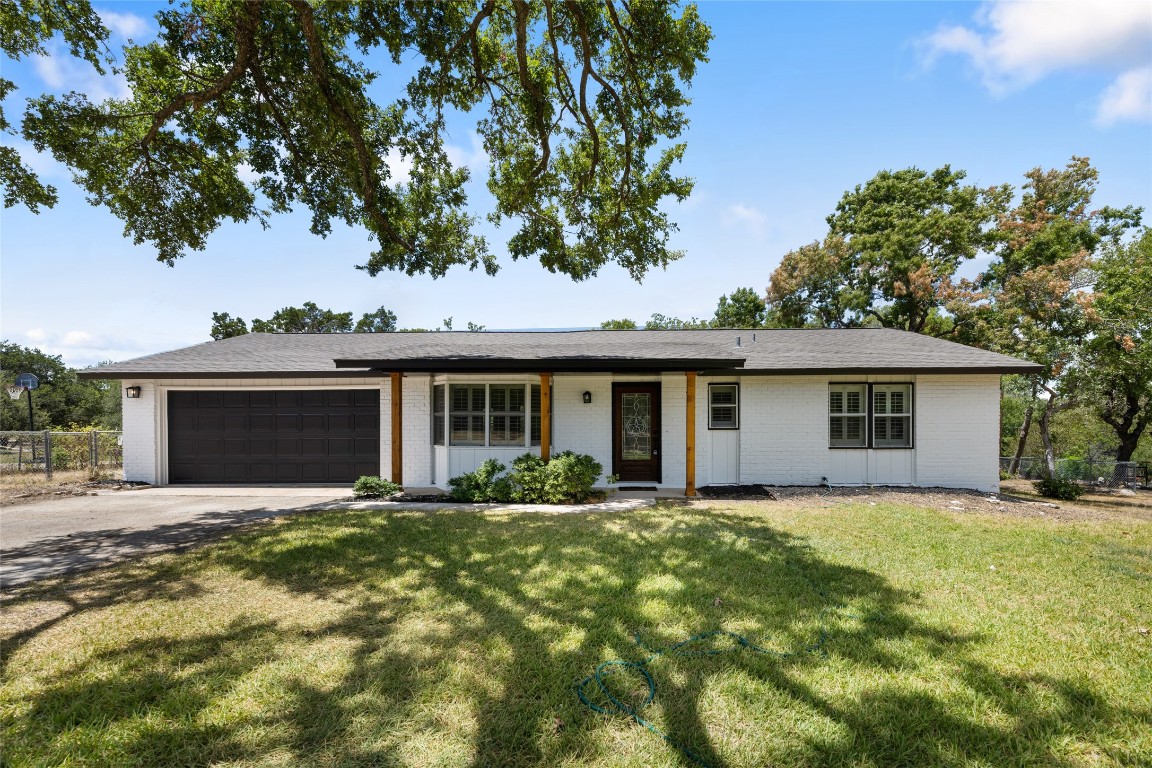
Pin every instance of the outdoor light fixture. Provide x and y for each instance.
(587, 397)
(132, 392)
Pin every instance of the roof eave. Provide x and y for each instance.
(546, 365)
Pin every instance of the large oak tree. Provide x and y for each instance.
(580, 105)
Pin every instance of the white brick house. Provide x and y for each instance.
(661, 409)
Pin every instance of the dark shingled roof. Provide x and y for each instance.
(764, 352)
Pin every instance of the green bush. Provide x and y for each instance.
(1059, 488)
(567, 478)
(373, 487)
(484, 484)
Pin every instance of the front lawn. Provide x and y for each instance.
(357, 638)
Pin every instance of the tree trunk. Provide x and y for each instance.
(1129, 425)
(1025, 428)
(1128, 444)
(1046, 435)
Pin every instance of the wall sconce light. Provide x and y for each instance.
(587, 397)
(132, 392)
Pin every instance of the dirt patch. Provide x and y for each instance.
(945, 499)
(13, 494)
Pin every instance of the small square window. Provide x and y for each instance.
(723, 406)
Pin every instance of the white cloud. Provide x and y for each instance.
(399, 167)
(746, 216)
(60, 71)
(75, 339)
(36, 334)
(474, 157)
(1128, 98)
(125, 24)
(1014, 44)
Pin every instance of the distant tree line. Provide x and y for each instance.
(62, 400)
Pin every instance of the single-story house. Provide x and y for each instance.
(661, 409)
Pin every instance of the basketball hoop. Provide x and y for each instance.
(14, 391)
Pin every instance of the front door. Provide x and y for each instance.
(636, 432)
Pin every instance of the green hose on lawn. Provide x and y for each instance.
(682, 648)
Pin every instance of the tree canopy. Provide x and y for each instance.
(61, 400)
(579, 104)
(306, 319)
(891, 253)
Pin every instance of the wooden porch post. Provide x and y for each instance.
(690, 436)
(397, 429)
(545, 416)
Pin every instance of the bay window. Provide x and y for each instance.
(495, 415)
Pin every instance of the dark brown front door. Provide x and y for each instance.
(636, 432)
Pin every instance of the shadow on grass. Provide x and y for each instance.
(462, 635)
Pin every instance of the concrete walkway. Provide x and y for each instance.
(62, 535)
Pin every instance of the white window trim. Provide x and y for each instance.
(735, 404)
(488, 413)
(870, 416)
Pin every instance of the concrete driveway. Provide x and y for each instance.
(48, 538)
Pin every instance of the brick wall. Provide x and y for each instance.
(958, 431)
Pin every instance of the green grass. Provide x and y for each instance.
(357, 638)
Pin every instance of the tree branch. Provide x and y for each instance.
(530, 86)
(369, 179)
(246, 25)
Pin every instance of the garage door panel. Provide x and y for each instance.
(313, 447)
(261, 422)
(236, 448)
(287, 422)
(210, 421)
(262, 447)
(261, 399)
(261, 473)
(270, 436)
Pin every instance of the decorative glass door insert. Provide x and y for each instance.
(636, 425)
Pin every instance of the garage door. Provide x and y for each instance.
(274, 436)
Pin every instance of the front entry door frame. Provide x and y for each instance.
(649, 470)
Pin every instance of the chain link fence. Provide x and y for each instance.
(46, 452)
(1104, 474)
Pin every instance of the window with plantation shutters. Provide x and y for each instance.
(496, 415)
(506, 414)
(892, 415)
(848, 415)
(466, 417)
(438, 403)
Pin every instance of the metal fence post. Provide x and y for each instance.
(47, 454)
(95, 452)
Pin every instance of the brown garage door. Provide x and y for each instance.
(273, 436)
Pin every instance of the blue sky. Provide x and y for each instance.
(799, 103)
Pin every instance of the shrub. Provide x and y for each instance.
(484, 484)
(566, 479)
(1059, 488)
(373, 487)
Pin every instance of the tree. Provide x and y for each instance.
(1031, 300)
(583, 105)
(62, 399)
(224, 326)
(1115, 369)
(381, 321)
(891, 254)
(623, 324)
(743, 309)
(659, 322)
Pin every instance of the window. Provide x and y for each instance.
(467, 414)
(891, 415)
(511, 413)
(847, 415)
(506, 415)
(887, 406)
(438, 414)
(723, 406)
